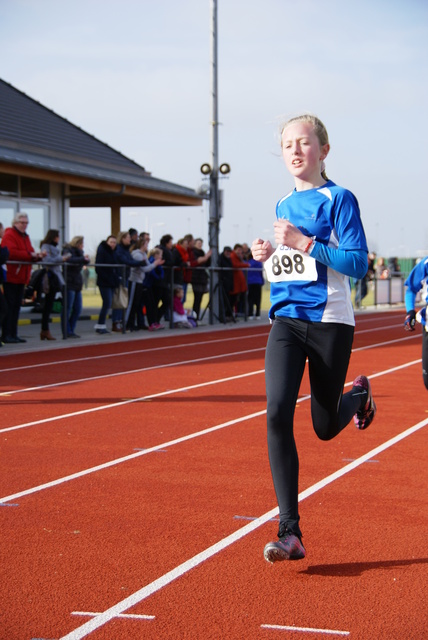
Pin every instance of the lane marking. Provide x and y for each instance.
(130, 401)
(201, 557)
(186, 345)
(305, 629)
(131, 456)
(173, 364)
(132, 371)
(136, 616)
(125, 354)
(168, 392)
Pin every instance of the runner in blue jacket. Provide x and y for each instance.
(417, 280)
(320, 245)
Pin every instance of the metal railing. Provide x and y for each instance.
(387, 291)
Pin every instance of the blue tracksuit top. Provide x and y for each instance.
(330, 214)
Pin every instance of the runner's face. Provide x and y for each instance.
(302, 152)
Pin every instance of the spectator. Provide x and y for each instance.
(372, 262)
(145, 235)
(180, 256)
(381, 270)
(199, 259)
(85, 276)
(255, 283)
(123, 256)
(18, 243)
(153, 279)
(162, 289)
(4, 254)
(394, 268)
(74, 280)
(246, 252)
(133, 234)
(55, 280)
(108, 279)
(226, 284)
(179, 316)
(138, 294)
(239, 279)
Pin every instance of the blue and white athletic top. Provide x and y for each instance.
(417, 280)
(315, 286)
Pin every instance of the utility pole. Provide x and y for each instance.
(214, 223)
(213, 171)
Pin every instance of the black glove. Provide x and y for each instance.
(410, 321)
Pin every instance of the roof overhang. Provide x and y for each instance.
(97, 185)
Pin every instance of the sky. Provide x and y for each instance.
(137, 75)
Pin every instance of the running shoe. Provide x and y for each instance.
(364, 417)
(288, 547)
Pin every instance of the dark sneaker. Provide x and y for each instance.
(364, 417)
(288, 547)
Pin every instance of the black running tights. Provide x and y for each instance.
(328, 348)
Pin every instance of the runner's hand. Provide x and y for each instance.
(410, 321)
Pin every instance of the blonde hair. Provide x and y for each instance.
(155, 252)
(121, 235)
(319, 130)
(74, 242)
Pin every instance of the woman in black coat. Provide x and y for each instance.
(74, 281)
(107, 278)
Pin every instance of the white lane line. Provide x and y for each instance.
(174, 364)
(178, 363)
(135, 616)
(182, 345)
(281, 627)
(144, 351)
(130, 401)
(131, 456)
(386, 343)
(198, 559)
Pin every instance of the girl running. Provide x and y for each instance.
(320, 244)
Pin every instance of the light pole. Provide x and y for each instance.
(213, 171)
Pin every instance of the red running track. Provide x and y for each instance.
(136, 496)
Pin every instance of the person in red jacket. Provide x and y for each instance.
(239, 280)
(4, 255)
(18, 242)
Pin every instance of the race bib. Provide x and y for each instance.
(289, 265)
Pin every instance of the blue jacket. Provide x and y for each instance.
(4, 255)
(255, 277)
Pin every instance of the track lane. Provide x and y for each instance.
(162, 538)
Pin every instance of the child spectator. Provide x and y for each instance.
(179, 315)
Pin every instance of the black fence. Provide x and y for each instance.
(387, 291)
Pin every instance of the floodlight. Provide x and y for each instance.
(206, 169)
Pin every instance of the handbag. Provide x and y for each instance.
(120, 298)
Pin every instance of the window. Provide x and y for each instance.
(8, 184)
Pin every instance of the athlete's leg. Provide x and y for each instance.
(329, 350)
(285, 364)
